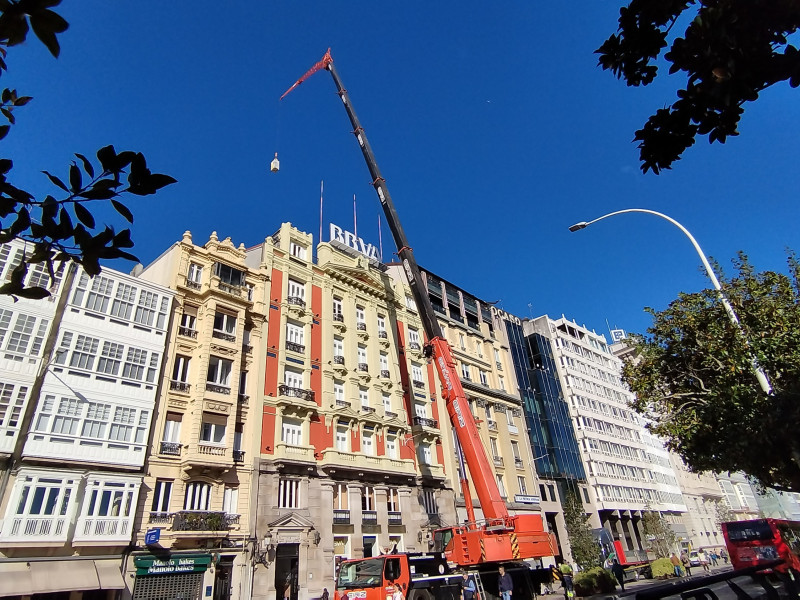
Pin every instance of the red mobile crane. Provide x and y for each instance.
(500, 537)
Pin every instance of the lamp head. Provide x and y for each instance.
(579, 226)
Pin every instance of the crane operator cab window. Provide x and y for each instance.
(441, 539)
(391, 570)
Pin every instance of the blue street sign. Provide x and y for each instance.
(151, 536)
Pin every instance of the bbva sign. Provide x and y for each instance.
(350, 239)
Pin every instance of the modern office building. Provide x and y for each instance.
(78, 390)
(351, 459)
(198, 486)
(628, 472)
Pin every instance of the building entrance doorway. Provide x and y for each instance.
(287, 562)
(222, 578)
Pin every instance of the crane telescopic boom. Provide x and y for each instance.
(502, 537)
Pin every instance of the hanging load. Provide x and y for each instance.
(275, 165)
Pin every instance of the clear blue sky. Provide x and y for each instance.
(491, 122)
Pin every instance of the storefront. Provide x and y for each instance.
(171, 576)
(53, 579)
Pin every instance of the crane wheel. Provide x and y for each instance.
(420, 595)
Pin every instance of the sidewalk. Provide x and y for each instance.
(631, 587)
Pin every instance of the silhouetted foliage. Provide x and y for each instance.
(730, 51)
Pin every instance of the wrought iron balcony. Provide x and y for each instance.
(293, 392)
(201, 520)
(338, 317)
(390, 414)
(414, 345)
(425, 422)
(418, 384)
(295, 301)
(343, 404)
(491, 424)
(519, 462)
(361, 326)
(179, 386)
(364, 367)
(219, 389)
(498, 461)
(194, 285)
(383, 334)
(187, 331)
(367, 409)
(223, 335)
(238, 456)
(233, 290)
(170, 448)
(341, 517)
(369, 517)
(160, 518)
(499, 366)
(338, 359)
(385, 373)
(395, 518)
(295, 347)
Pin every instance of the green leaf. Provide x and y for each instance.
(87, 166)
(56, 181)
(75, 179)
(84, 216)
(123, 210)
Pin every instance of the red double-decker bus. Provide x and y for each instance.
(760, 541)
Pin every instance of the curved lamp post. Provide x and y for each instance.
(763, 380)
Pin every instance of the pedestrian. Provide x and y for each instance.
(398, 592)
(467, 587)
(687, 563)
(325, 594)
(619, 572)
(566, 580)
(676, 564)
(504, 584)
(724, 555)
(714, 558)
(703, 558)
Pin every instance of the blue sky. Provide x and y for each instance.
(491, 122)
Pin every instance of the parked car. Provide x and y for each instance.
(694, 559)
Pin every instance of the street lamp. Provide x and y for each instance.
(763, 380)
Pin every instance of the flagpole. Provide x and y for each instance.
(355, 218)
(321, 188)
(380, 239)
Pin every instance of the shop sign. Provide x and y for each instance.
(150, 565)
(501, 314)
(522, 499)
(349, 239)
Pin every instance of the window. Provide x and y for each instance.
(381, 323)
(552, 489)
(11, 404)
(367, 445)
(293, 379)
(410, 304)
(413, 337)
(198, 496)
(515, 450)
(482, 375)
(493, 447)
(289, 493)
(429, 502)
(224, 324)
(501, 382)
(219, 371)
(338, 347)
(391, 445)
(420, 410)
(147, 308)
(230, 500)
(20, 339)
(461, 341)
(425, 456)
(368, 498)
(136, 365)
(110, 358)
(523, 488)
(342, 436)
(479, 349)
(46, 495)
(68, 416)
(297, 250)
(238, 432)
(338, 391)
(195, 273)
(387, 402)
(362, 354)
(340, 497)
(180, 372)
(295, 334)
(543, 492)
(510, 419)
(392, 500)
(337, 309)
(465, 371)
(496, 356)
(292, 432)
(188, 321)
(109, 498)
(162, 492)
(297, 290)
(501, 486)
(99, 294)
(416, 372)
(384, 362)
(172, 428)
(363, 396)
(97, 415)
(360, 314)
(213, 429)
(229, 275)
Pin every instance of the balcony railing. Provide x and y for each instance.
(418, 384)
(425, 422)
(293, 392)
(219, 389)
(383, 334)
(343, 404)
(491, 424)
(390, 414)
(160, 518)
(296, 301)
(341, 517)
(171, 448)
(211, 449)
(414, 345)
(295, 347)
(368, 409)
(195, 285)
(92, 528)
(361, 326)
(369, 517)
(222, 335)
(200, 520)
(38, 527)
(518, 462)
(499, 366)
(338, 359)
(233, 290)
(179, 386)
(338, 317)
(395, 518)
(363, 367)
(498, 461)
(187, 331)
(238, 456)
(385, 373)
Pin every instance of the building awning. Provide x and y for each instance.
(64, 575)
(21, 578)
(109, 575)
(15, 579)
